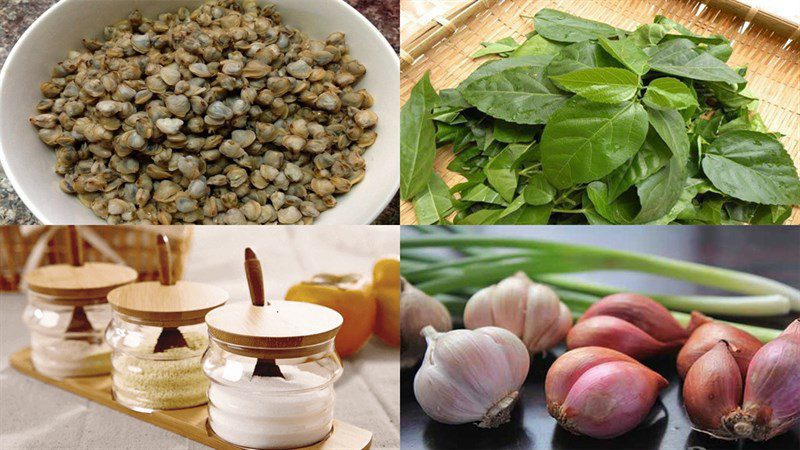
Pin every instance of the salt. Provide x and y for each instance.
(58, 358)
(272, 412)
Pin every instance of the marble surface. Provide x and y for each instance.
(35, 415)
(17, 15)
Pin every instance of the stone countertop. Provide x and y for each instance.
(35, 415)
(17, 15)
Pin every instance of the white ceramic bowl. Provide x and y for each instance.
(29, 163)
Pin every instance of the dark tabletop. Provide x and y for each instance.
(767, 251)
(17, 15)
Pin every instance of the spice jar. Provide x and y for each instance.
(272, 367)
(158, 335)
(67, 313)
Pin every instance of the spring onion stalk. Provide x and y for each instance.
(472, 276)
(455, 305)
(747, 306)
(596, 258)
(420, 256)
(761, 333)
(425, 273)
(437, 281)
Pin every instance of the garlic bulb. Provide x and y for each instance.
(532, 311)
(600, 392)
(771, 404)
(471, 375)
(632, 324)
(418, 310)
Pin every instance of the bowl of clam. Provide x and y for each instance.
(201, 111)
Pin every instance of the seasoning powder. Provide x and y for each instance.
(270, 415)
(175, 380)
(59, 358)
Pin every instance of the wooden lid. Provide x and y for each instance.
(152, 303)
(167, 302)
(90, 280)
(77, 280)
(279, 329)
(271, 330)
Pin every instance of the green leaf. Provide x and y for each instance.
(620, 211)
(417, 139)
(670, 24)
(483, 194)
(562, 27)
(659, 193)
(653, 155)
(498, 65)
(481, 217)
(706, 212)
(668, 93)
(584, 141)
(537, 45)
(538, 191)
(648, 34)
(525, 215)
(605, 84)
(731, 95)
(754, 167)
(771, 214)
(671, 128)
(628, 53)
(507, 44)
(517, 95)
(583, 55)
(511, 133)
(678, 57)
(435, 203)
(501, 172)
(452, 99)
(749, 121)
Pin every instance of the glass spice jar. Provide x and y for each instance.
(67, 314)
(272, 370)
(67, 339)
(146, 378)
(158, 336)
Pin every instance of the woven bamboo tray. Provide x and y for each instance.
(136, 245)
(188, 422)
(444, 45)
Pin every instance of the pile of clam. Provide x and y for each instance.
(221, 115)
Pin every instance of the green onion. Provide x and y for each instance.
(748, 306)
(571, 257)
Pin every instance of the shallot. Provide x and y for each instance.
(632, 324)
(770, 404)
(772, 389)
(600, 392)
(741, 344)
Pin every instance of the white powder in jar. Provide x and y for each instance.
(264, 412)
(64, 358)
(175, 380)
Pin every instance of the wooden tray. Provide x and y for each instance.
(189, 422)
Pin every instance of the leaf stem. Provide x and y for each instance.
(569, 211)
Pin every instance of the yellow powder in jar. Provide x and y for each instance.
(175, 380)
